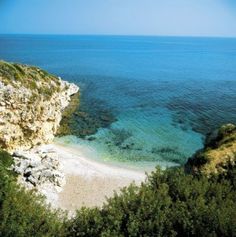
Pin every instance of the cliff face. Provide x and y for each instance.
(218, 154)
(31, 105)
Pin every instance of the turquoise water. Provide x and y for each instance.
(165, 93)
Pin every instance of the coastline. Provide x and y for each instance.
(89, 182)
(67, 177)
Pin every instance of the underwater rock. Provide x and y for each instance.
(64, 128)
(82, 120)
(199, 115)
(170, 154)
(91, 138)
(119, 136)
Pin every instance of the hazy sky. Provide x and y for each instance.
(132, 17)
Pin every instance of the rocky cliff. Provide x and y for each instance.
(218, 155)
(31, 105)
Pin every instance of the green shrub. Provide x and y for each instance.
(5, 159)
(28, 76)
(170, 203)
(19, 68)
(88, 222)
(22, 213)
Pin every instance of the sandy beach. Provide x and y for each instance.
(89, 182)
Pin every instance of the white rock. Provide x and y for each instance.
(39, 167)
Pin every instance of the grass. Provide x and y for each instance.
(30, 77)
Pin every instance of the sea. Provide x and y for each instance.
(144, 100)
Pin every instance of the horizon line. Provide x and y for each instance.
(119, 35)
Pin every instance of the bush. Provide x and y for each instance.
(22, 213)
(88, 222)
(170, 203)
(5, 159)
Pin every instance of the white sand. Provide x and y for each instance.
(89, 182)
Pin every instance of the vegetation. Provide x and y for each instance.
(29, 77)
(218, 154)
(23, 213)
(169, 203)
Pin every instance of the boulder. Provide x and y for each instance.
(38, 167)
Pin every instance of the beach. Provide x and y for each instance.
(89, 182)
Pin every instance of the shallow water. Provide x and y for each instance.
(166, 93)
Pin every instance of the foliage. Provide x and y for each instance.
(5, 159)
(168, 203)
(33, 78)
(22, 213)
(218, 154)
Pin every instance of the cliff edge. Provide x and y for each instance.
(31, 105)
(218, 155)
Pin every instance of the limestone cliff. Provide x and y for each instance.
(31, 105)
(218, 154)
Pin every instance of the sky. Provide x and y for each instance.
(119, 17)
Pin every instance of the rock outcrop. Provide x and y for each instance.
(31, 105)
(218, 154)
(38, 167)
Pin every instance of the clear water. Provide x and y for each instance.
(166, 93)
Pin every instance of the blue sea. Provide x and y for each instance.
(165, 93)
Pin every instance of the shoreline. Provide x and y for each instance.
(28, 127)
(89, 182)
